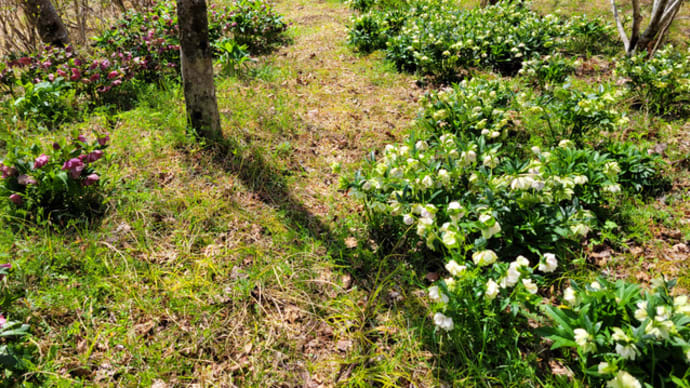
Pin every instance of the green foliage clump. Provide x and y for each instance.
(57, 184)
(548, 70)
(440, 39)
(587, 36)
(660, 83)
(619, 333)
(46, 104)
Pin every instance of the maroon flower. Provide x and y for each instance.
(75, 74)
(51, 77)
(26, 180)
(81, 138)
(56, 146)
(77, 62)
(24, 61)
(41, 161)
(7, 171)
(104, 140)
(61, 73)
(95, 77)
(90, 179)
(113, 74)
(3, 321)
(94, 156)
(117, 82)
(75, 167)
(16, 199)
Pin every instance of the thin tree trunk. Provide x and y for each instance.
(197, 69)
(45, 18)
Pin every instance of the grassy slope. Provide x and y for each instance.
(233, 269)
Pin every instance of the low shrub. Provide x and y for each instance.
(660, 83)
(622, 336)
(253, 23)
(548, 70)
(232, 56)
(57, 184)
(587, 36)
(46, 104)
(440, 39)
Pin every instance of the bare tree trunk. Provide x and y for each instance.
(485, 3)
(45, 18)
(197, 69)
(663, 13)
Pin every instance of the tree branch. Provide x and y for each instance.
(619, 24)
(637, 20)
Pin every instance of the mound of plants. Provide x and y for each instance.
(661, 83)
(504, 217)
(57, 184)
(143, 47)
(440, 39)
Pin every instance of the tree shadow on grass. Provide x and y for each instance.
(269, 184)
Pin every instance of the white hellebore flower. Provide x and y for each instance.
(619, 335)
(427, 182)
(491, 289)
(484, 258)
(522, 183)
(443, 176)
(436, 295)
(449, 239)
(443, 322)
(565, 143)
(584, 340)
(641, 312)
(570, 296)
(580, 179)
(628, 352)
(421, 146)
(595, 286)
(605, 368)
(549, 264)
(580, 229)
(613, 189)
(522, 261)
(624, 380)
(408, 219)
(490, 226)
(454, 268)
(536, 150)
(529, 286)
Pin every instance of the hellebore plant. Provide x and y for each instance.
(62, 181)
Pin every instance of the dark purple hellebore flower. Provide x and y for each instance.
(41, 161)
(7, 171)
(104, 140)
(75, 167)
(90, 179)
(16, 199)
(94, 156)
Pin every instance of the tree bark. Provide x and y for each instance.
(45, 18)
(485, 3)
(197, 69)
